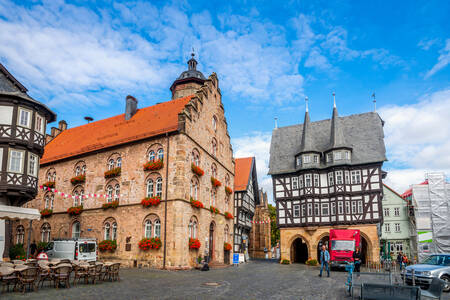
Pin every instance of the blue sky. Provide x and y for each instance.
(84, 59)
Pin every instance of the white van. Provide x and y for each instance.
(73, 249)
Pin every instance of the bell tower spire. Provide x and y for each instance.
(307, 140)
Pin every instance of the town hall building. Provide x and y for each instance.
(327, 174)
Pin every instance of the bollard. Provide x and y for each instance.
(413, 279)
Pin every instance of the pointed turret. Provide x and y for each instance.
(189, 81)
(307, 140)
(337, 139)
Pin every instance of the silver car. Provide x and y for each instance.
(436, 265)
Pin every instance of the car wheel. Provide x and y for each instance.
(446, 278)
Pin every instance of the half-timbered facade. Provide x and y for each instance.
(327, 174)
(246, 197)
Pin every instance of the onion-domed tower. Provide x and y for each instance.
(189, 81)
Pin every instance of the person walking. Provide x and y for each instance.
(324, 261)
(400, 260)
(405, 260)
(357, 259)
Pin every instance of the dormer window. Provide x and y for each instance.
(338, 155)
(329, 157)
(299, 160)
(347, 155)
(306, 159)
(316, 159)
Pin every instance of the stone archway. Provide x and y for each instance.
(323, 239)
(299, 251)
(365, 248)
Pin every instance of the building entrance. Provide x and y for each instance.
(299, 251)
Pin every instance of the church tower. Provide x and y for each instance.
(189, 81)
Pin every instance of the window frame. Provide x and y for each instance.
(38, 123)
(19, 117)
(22, 160)
(296, 210)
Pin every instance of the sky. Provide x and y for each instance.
(82, 58)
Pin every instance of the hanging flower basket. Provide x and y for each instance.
(197, 170)
(113, 204)
(194, 244)
(107, 245)
(151, 201)
(214, 209)
(149, 243)
(75, 210)
(49, 184)
(196, 203)
(113, 172)
(228, 190)
(78, 179)
(215, 182)
(228, 215)
(46, 212)
(153, 165)
(226, 246)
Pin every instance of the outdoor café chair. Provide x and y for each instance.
(28, 277)
(61, 273)
(8, 277)
(114, 272)
(435, 289)
(95, 272)
(44, 274)
(81, 272)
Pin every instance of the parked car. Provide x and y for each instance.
(436, 265)
(73, 249)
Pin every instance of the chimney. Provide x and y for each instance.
(62, 125)
(131, 107)
(54, 132)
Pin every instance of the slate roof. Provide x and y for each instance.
(362, 132)
(147, 122)
(242, 171)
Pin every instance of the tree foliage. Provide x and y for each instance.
(275, 231)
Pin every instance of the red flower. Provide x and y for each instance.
(196, 203)
(227, 246)
(46, 212)
(194, 244)
(150, 243)
(151, 201)
(75, 210)
(78, 179)
(113, 172)
(107, 245)
(215, 182)
(113, 204)
(197, 170)
(214, 209)
(153, 165)
(49, 184)
(228, 215)
(228, 190)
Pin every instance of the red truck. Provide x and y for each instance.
(343, 243)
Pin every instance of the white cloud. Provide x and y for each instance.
(417, 138)
(426, 44)
(443, 60)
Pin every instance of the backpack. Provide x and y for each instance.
(405, 259)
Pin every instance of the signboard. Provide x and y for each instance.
(42, 256)
(425, 239)
(241, 258)
(235, 258)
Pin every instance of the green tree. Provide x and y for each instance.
(275, 231)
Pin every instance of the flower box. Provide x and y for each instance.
(194, 244)
(228, 215)
(113, 204)
(113, 172)
(226, 246)
(214, 209)
(151, 201)
(196, 203)
(46, 212)
(215, 182)
(49, 184)
(228, 190)
(107, 245)
(149, 243)
(75, 210)
(153, 165)
(197, 170)
(78, 179)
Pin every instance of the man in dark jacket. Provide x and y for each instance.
(400, 260)
(324, 261)
(357, 259)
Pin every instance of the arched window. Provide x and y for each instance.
(195, 157)
(78, 196)
(159, 187)
(81, 197)
(76, 230)
(151, 155)
(194, 188)
(149, 188)
(83, 170)
(117, 192)
(77, 171)
(51, 175)
(20, 234)
(225, 234)
(148, 229)
(107, 230)
(214, 170)
(213, 197)
(157, 228)
(214, 147)
(45, 233)
(114, 231)
(160, 154)
(49, 198)
(111, 164)
(119, 162)
(214, 123)
(80, 168)
(193, 228)
(109, 193)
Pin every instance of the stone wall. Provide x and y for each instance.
(260, 235)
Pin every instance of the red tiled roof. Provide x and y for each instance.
(242, 170)
(409, 191)
(147, 122)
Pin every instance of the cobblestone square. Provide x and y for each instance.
(254, 280)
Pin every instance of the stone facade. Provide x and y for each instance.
(195, 134)
(260, 235)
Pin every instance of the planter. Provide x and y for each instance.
(113, 204)
(113, 172)
(228, 215)
(149, 243)
(107, 245)
(75, 210)
(45, 213)
(226, 246)
(194, 244)
(215, 182)
(78, 179)
(49, 184)
(214, 209)
(151, 201)
(196, 203)
(197, 170)
(153, 165)
(228, 190)
(311, 262)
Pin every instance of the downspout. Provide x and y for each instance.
(165, 203)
